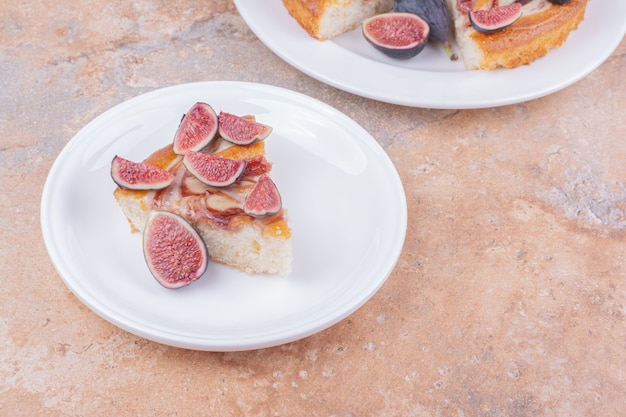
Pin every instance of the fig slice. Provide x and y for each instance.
(213, 170)
(399, 35)
(175, 253)
(240, 130)
(139, 175)
(496, 18)
(264, 199)
(196, 129)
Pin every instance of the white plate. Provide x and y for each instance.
(345, 202)
(430, 79)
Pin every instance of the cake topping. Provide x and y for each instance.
(213, 170)
(241, 130)
(175, 253)
(264, 198)
(496, 18)
(196, 129)
(138, 175)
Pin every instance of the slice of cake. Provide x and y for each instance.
(325, 19)
(541, 27)
(256, 244)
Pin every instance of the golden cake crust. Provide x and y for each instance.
(308, 13)
(325, 19)
(530, 37)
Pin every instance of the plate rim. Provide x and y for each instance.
(194, 342)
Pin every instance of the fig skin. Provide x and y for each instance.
(496, 18)
(559, 1)
(436, 13)
(138, 175)
(175, 253)
(397, 35)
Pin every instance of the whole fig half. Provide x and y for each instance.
(174, 251)
(196, 129)
(438, 16)
(264, 198)
(397, 35)
(213, 170)
(240, 130)
(139, 175)
(496, 18)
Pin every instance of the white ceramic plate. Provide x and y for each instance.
(345, 203)
(431, 80)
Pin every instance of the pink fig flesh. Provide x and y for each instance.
(213, 170)
(196, 130)
(240, 130)
(496, 18)
(397, 34)
(139, 175)
(175, 253)
(264, 198)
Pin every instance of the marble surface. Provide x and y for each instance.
(509, 298)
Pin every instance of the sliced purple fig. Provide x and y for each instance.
(399, 35)
(196, 129)
(174, 251)
(496, 18)
(264, 199)
(240, 130)
(213, 170)
(139, 175)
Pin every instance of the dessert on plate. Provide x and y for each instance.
(216, 178)
(489, 34)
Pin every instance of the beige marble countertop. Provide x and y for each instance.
(509, 298)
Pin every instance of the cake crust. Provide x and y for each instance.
(531, 37)
(325, 19)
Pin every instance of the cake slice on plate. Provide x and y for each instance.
(242, 223)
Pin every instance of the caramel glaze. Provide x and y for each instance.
(216, 206)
